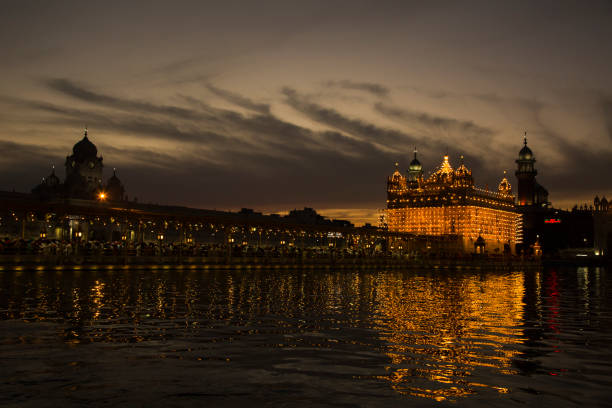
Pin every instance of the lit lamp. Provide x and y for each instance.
(43, 234)
(160, 237)
(102, 196)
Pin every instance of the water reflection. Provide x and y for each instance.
(443, 335)
(445, 332)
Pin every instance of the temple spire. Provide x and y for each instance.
(525, 139)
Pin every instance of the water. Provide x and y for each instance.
(191, 337)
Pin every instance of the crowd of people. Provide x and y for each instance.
(54, 247)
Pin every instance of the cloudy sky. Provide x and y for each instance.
(275, 105)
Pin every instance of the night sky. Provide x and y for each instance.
(278, 104)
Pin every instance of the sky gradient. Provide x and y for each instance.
(280, 105)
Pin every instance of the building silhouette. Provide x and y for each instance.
(553, 230)
(84, 177)
(602, 217)
(530, 192)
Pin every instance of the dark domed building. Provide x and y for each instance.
(529, 191)
(550, 229)
(50, 186)
(83, 170)
(84, 177)
(114, 188)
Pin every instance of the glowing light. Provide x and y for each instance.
(102, 196)
(448, 203)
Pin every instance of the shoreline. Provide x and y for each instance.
(38, 262)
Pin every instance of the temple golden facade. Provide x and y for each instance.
(448, 203)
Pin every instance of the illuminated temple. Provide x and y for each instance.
(447, 203)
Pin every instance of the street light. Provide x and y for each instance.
(102, 196)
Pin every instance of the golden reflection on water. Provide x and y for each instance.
(97, 298)
(444, 329)
(441, 335)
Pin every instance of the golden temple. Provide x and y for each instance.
(448, 203)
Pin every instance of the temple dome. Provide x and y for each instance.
(504, 186)
(84, 149)
(462, 170)
(525, 153)
(53, 180)
(415, 165)
(115, 188)
(114, 180)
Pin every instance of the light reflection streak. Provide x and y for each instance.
(439, 335)
(445, 331)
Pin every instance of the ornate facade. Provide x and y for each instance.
(448, 203)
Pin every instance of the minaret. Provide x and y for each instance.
(415, 171)
(525, 175)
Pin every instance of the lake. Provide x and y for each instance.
(190, 337)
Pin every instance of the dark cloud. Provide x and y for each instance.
(208, 127)
(251, 160)
(13, 152)
(270, 132)
(582, 171)
(390, 138)
(71, 89)
(432, 93)
(468, 128)
(124, 123)
(461, 137)
(240, 100)
(374, 89)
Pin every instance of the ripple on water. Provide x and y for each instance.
(185, 337)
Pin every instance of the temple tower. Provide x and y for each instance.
(525, 175)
